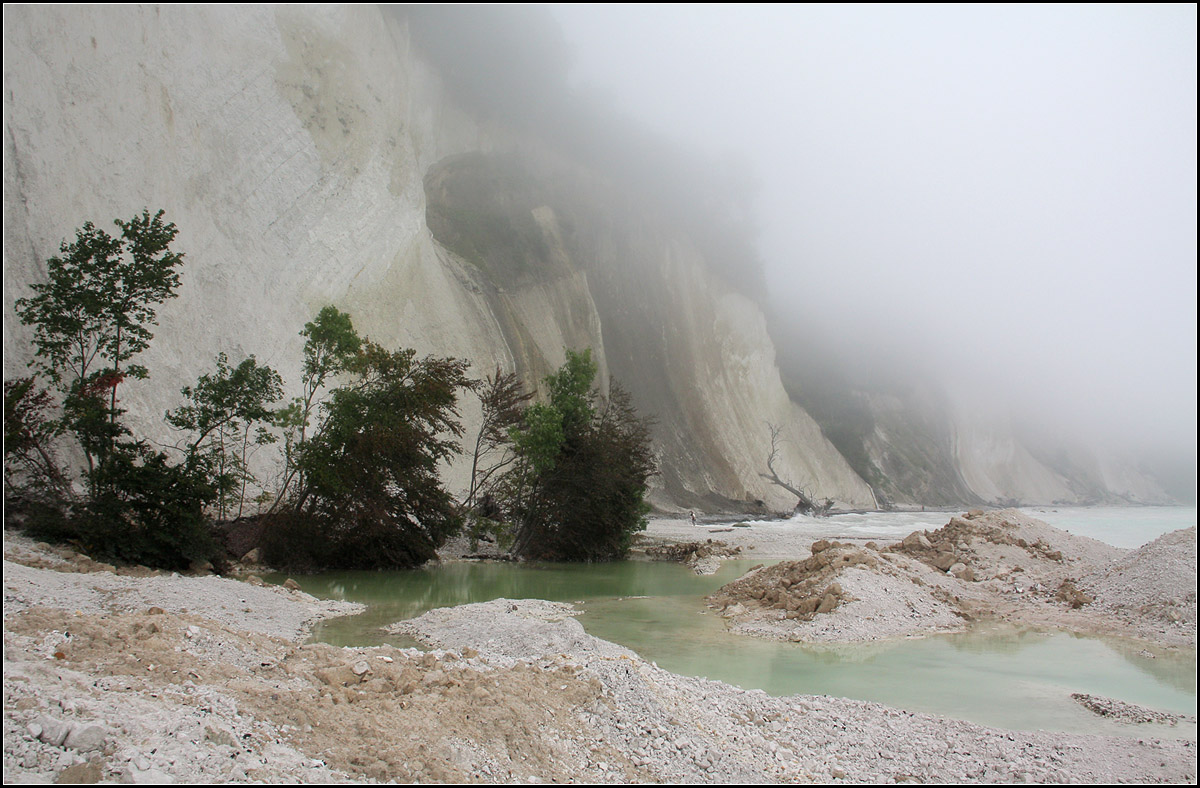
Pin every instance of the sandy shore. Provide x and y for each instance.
(204, 679)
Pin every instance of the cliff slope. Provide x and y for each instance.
(309, 156)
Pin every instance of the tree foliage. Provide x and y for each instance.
(100, 297)
(368, 494)
(578, 490)
(502, 399)
(227, 412)
(331, 344)
(31, 464)
(144, 509)
(90, 318)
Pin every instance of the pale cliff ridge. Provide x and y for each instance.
(1000, 468)
(293, 147)
(311, 156)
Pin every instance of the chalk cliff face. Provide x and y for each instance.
(1002, 464)
(310, 157)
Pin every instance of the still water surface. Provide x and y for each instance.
(1005, 678)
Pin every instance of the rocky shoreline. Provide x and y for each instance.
(116, 677)
(995, 566)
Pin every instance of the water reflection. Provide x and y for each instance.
(1170, 667)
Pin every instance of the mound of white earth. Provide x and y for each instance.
(1155, 582)
(1002, 565)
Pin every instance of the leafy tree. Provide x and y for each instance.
(90, 319)
(92, 316)
(145, 510)
(367, 492)
(578, 490)
(503, 403)
(222, 411)
(31, 465)
(331, 343)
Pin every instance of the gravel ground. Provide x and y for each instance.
(1151, 587)
(651, 725)
(169, 678)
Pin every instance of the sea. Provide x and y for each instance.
(1120, 526)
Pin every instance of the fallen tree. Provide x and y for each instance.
(806, 502)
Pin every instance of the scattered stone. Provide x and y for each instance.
(1067, 592)
(148, 777)
(917, 540)
(53, 732)
(86, 738)
(945, 560)
(1127, 712)
(703, 557)
(219, 736)
(81, 774)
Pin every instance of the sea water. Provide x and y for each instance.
(1122, 526)
(1015, 679)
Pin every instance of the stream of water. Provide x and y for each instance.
(1001, 677)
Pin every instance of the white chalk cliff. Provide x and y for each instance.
(305, 153)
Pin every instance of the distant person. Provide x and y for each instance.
(693, 514)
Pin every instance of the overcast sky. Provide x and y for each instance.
(997, 194)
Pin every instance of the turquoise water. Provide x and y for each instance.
(1005, 678)
(1123, 526)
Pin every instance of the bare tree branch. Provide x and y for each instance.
(503, 400)
(806, 503)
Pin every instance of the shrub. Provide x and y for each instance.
(368, 493)
(578, 492)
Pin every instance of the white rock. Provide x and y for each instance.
(148, 777)
(86, 738)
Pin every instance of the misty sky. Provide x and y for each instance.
(1000, 196)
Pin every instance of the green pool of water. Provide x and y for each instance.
(1005, 678)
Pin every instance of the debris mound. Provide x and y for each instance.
(999, 565)
(703, 557)
(1156, 582)
(1127, 712)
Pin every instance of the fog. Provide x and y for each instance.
(999, 198)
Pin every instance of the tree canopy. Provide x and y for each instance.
(93, 315)
(578, 492)
(368, 493)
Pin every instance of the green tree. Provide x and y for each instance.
(90, 319)
(331, 344)
(502, 401)
(144, 509)
(31, 465)
(367, 492)
(227, 412)
(578, 490)
(92, 316)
